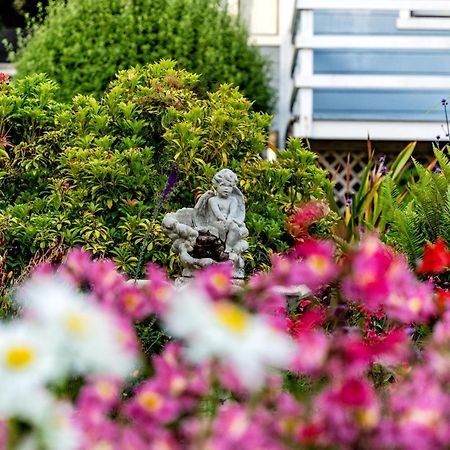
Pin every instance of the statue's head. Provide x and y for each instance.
(225, 176)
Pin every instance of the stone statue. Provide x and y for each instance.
(214, 230)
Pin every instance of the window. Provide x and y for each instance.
(438, 19)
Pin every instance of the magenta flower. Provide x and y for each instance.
(377, 277)
(347, 411)
(310, 263)
(216, 280)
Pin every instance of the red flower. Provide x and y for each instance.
(436, 258)
(442, 299)
(304, 216)
(4, 78)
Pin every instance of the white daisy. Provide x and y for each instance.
(222, 329)
(27, 364)
(57, 429)
(88, 336)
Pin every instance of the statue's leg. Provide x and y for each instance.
(233, 237)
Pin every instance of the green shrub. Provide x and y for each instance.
(81, 44)
(89, 173)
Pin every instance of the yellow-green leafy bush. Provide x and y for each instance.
(89, 173)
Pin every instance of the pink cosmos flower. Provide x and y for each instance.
(216, 280)
(159, 289)
(310, 263)
(419, 414)
(377, 277)
(347, 411)
(312, 352)
(367, 281)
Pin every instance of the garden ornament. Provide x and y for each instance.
(214, 230)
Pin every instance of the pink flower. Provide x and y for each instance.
(132, 302)
(150, 405)
(367, 281)
(347, 412)
(235, 427)
(377, 277)
(100, 395)
(411, 302)
(314, 268)
(307, 320)
(304, 216)
(159, 289)
(419, 414)
(312, 352)
(216, 280)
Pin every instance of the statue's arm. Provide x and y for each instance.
(214, 206)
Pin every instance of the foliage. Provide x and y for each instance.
(242, 370)
(89, 173)
(364, 210)
(81, 44)
(424, 215)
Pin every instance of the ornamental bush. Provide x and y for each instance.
(81, 44)
(89, 173)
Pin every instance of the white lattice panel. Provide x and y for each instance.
(345, 170)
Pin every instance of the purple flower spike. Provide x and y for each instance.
(444, 102)
(172, 180)
(437, 170)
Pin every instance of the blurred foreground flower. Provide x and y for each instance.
(88, 338)
(225, 331)
(351, 379)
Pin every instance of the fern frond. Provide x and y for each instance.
(405, 235)
(444, 163)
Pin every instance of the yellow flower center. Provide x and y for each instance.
(76, 324)
(19, 357)
(415, 304)
(219, 281)
(103, 445)
(131, 302)
(234, 318)
(105, 389)
(365, 278)
(150, 401)
(162, 293)
(318, 264)
(367, 418)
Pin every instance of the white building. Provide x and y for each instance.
(348, 69)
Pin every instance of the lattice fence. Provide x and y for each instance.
(346, 178)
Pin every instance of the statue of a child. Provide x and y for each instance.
(218, 218)
(223, 212)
